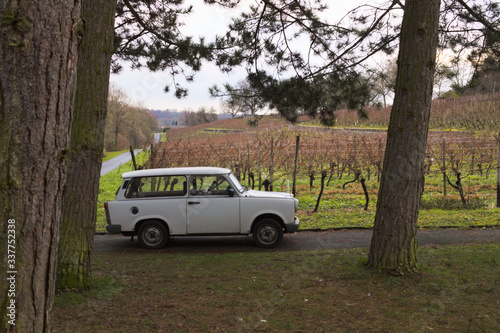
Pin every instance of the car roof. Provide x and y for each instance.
(176, 172)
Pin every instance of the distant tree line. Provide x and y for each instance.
(202, 116)
(127, 125)
(167, 117)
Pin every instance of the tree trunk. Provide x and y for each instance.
(38, 57)
(87, 142)
(116, 141)
(393, 246)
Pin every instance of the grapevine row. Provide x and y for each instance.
(337, 151)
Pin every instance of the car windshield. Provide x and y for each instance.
(236, 183)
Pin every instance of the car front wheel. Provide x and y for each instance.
(153, 235)
(267, 233)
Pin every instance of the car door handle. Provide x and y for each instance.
(193, 202)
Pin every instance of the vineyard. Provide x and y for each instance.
(471, 113)
(460, 165)
(340, 152)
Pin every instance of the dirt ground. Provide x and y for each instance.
(305, 240)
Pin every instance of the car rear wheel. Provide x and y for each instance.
(153, 235)
(267, 233)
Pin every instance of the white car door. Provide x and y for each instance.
(210, 209)
(155, 197)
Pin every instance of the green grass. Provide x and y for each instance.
(103, 288)
(341, 208)
(344, 125)
(309, 291)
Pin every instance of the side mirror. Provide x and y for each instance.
(230, 192)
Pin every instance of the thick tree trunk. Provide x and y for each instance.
(393, 246)
(38, 56)
(87, 141)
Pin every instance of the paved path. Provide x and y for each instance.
(156, 138)
(117, 162)
(323, 240)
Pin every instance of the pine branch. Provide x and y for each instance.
(143, 24)
(478, 17)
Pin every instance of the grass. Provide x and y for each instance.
(272, 291)
(343, 208)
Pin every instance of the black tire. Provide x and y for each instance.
(267, 233)
(153, 235)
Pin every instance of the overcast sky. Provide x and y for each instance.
(146, 88)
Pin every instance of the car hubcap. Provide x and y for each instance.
(152, 236)
(267, 234)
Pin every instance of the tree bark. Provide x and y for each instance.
(87, 142)
(393, 246)
(38, 57)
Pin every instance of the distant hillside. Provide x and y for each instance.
(170, 118)
(479, 112)
(166, 117)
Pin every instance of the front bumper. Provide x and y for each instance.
(292, 227)
(114, 228)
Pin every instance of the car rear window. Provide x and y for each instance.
(160, 186)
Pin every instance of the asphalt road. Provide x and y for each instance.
(123, 158)
(323, 240)
(157, 138)
(116, 162)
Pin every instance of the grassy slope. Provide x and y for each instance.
(313, 291)
(344, 207)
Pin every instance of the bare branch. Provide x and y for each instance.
(478, 17)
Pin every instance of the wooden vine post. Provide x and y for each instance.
(354, 147)
(444, 167)
(248, 165)
(133, 157)
(498, 174)
(271, 171)
(297, 143)
(260, 167)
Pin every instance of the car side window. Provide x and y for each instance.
(208, 185)
(164, 186)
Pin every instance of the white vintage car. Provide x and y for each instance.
(156, 204)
